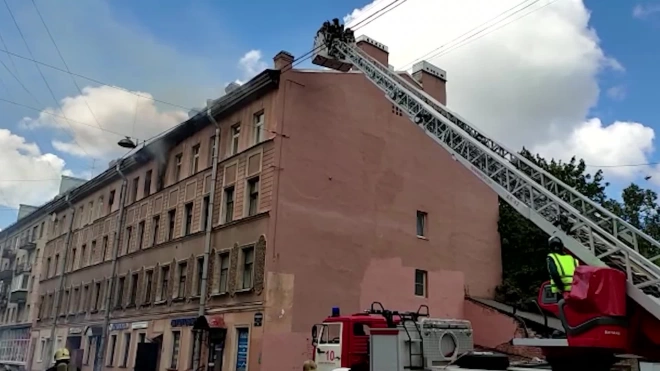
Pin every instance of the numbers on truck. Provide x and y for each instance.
(330, 355)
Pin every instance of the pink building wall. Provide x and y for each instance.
(351, 176)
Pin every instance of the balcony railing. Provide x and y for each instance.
(26, 244)
(18, 295)
(23, 268)
(9, 253)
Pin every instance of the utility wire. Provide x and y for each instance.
(27, 46)
(73, 79)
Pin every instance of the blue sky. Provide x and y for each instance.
(185, 52)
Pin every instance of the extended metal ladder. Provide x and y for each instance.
(597, 236)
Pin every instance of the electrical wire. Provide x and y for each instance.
(27, 46)
(73, 79)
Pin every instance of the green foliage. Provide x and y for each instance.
(524, 246)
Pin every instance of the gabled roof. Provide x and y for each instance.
(264, 82)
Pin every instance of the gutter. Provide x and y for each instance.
(208, 228)
(60, 285)
(99, 357)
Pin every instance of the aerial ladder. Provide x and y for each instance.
(595, 236)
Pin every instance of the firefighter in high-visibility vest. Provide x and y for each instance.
(561, 267)
(62, 359)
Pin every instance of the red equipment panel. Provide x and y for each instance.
(594, 312)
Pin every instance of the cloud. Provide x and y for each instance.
(620, 143)
(617, 92)
(250, 64)
(508, 78)
(28, 175)
(100, 117)
(642, 11)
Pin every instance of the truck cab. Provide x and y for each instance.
(343, 341)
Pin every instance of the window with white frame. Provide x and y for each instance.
(248, 267)
(258, 127)
(194, 159)
(235, 136)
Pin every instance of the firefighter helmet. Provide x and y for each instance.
(62, 354)
(555, 244)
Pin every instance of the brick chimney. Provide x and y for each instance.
(374, 49)
(282, 60)
(433, 80)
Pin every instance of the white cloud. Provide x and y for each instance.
(28, 176)
(617, 92)
(620, 143)
(528, 80)
(115, 110)
(251, 64)
(642, 11)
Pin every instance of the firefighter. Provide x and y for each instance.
(561, 267)
(62, 359)
(309, 366)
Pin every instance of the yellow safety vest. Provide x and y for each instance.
(566, 265)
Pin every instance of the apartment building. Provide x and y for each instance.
(21, 247)
(325, 195)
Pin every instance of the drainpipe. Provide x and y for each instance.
(60, 284)
(99, 357)
(207, 242)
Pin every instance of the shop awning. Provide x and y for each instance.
(206, 323)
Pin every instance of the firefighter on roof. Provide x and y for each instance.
(561, 267)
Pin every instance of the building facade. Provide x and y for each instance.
(325, 195)
(21, 248)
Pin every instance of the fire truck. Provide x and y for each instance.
(613, 309)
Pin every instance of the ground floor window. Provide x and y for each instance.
(176, 344)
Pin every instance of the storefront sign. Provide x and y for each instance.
(139, 325)
(75, 330)
(183, 322)
(258, 319)
(118, 326)
(242, 349)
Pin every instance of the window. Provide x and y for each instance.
(99, 207)
(206, 204)
(235, 135)
(73, 259)
(119, 299)
(85, 299)
(104, 246)
(253, 195)
(134, 188)
(93, 250)
(41, 229)
(421, 223)
(111, 201)
(177, 167)
(194, 159)
(83, 256)
(200, 272)
(75, 301)
(189, 218)
(224, 272)
(111, 350)
(97, 295)
(420, 283)
(258, 127)
(229, 204)
(164, 282)
(155, 226)
(211, 149)
(242, 346)
(142, 337)
(48, 268)
(134, 289)
(149, 280)
(176, 340)
(248, 267)
(57, 264)
(147, 183)
(127, 348)
(183, 277)
(140, 235)
(129, 233)
(171, 216)
(91, 213)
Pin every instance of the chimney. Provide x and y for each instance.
(433, 80)
(282, 60)
(374, 49)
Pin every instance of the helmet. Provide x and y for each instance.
(555, 243)
(62, 354)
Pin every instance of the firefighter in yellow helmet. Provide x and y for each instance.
(62, 359)
(561, 267)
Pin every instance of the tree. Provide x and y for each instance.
(524, 245)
